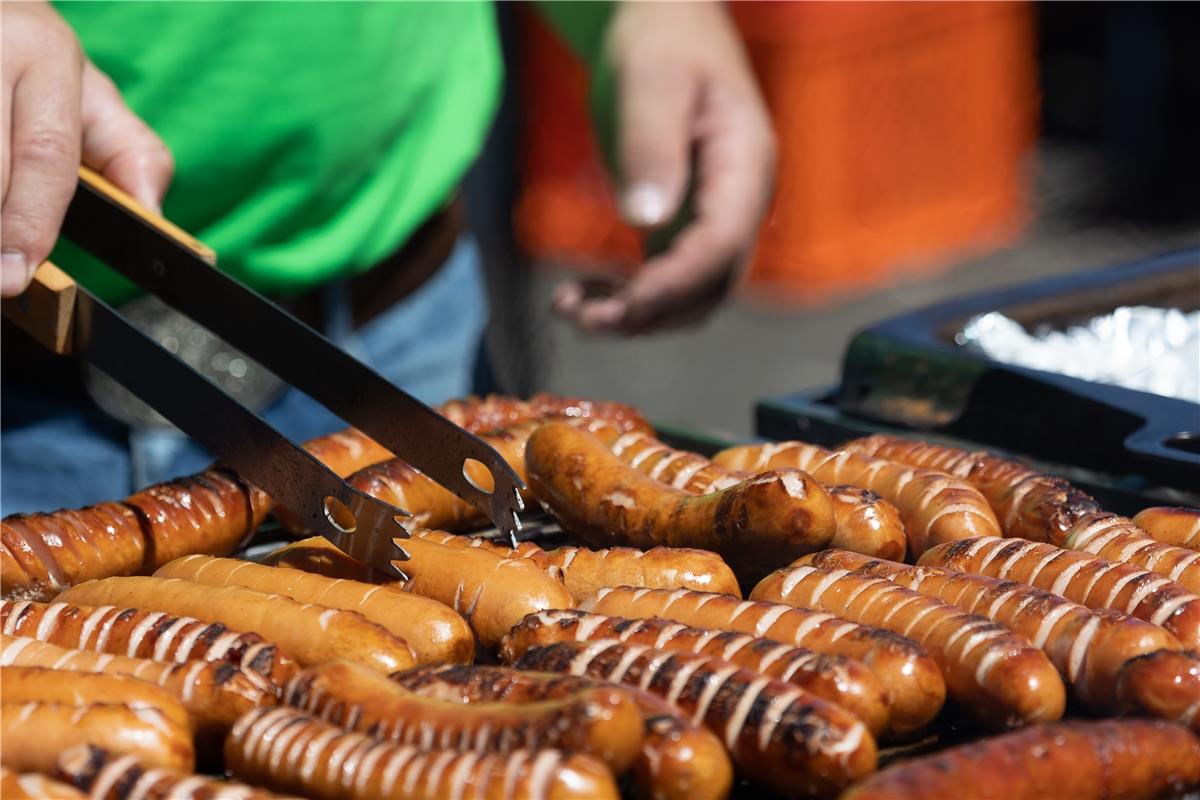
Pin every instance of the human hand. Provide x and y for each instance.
(685, 95)
(58, 108)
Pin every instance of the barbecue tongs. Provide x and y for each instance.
(169, 263)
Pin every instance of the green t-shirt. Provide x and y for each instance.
(310, 139)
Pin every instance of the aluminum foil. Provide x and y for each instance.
(1151, 349)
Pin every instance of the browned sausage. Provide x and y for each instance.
(1029, 504)
(311, 634)
(431, 629)
(214, 693)
(601, 722)
(678, 761)
(935, 507)
(995, 674)
(1087, 647)
(761, 720)
(1165, 684)
(1117, 539)
(143, 634)
(755, 525)
(109, 776)
(912, 681)
(1177, 526)
(290, 751)
(839, 680)
(1079, 760)
(44, 685)
(34, 786)
(1078, 576)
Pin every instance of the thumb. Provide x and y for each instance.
(120, 146)
(654, 142)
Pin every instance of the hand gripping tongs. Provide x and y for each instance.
(169, 263)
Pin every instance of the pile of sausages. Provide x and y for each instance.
(895, 588)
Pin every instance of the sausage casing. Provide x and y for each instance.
(34, 786)
(1177, 526)
(1117, 539)
(78, 689)
(1163, 684)
(109, 776)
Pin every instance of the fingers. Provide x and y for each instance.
(44, 156)
(122, 147)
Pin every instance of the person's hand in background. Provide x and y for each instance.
(58, 109)
(688, 112)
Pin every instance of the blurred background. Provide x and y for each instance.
(927, 151)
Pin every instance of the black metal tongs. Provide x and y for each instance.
(169, 263)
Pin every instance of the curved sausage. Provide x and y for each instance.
(1101, 760)
(143, 634)
(1165, 684)
(839, 680)
(679, 760)
(1087, 647)
(995, 674)
(760, 719)
(214, 693)
(1117, 539)
(110, 776)
(292, 752)
(78, 689)
(1029, 504)
(1079, 576)
(935, 507)
(755, 525)
(1177, 526)
(912, 681)
(34, 786)
(310, 634)
(431, 629)
(601, 722)
(35, 733)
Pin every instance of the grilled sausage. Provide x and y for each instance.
(214, 693)
(778, 735)
(143, 634)
(935, 507)
(601, 722)
(839, 680)
(35, 733)
(1177, 526)
(346, 452)
(1117, 539)
(995, 674)
(912, 681)
(34, 786)
(1106, 759)
(1165, 684)
(1087, 647)
(678, 760)
(1029, 504)
(1078, 576)
(754, 525)
(290, 751)
(311, 634)
(431, 629)
(864, 522)
(20, 685)
(109, 776)
(496, 546)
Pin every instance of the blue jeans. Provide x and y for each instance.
(67, 454)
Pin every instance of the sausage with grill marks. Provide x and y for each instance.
(78, 689)
(778, 735)
(290, 751)
(1165, 684)
(603, 723)
(912, 681)
(1117, 539)
(34, 786)
(1087, 647)
(214, 693)
(1101, 760)
(143, 634)
(995, 674)
(1176, 526)
(837, 679)
(754, 525)
(935, 507)
(111, 776)
(1079, 576)
(309, 633)
(679, 760)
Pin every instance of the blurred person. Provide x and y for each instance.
(318, 149)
